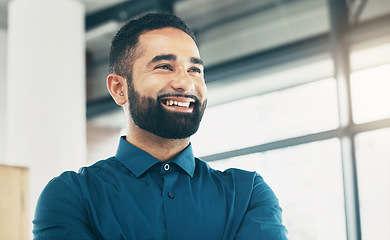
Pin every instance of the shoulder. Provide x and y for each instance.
(103, 165)
(247, 186)
(238, 177)
(249, 182)
(73, 181)
(232, 172)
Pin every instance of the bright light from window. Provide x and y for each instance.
(371, 94)
(307, 179)
(373, 162)
(305, 109)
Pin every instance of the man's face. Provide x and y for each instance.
(167, 93)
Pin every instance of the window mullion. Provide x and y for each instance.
(339, 25)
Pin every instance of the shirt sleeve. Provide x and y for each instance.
(263, 218)
(60, 213)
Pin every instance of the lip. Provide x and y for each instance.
(189, 100)
(179, 99)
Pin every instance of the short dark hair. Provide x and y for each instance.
(124, 44)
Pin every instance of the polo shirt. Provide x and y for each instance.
(136, 196)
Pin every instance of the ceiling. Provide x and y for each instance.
(90, 7)
(226, 30)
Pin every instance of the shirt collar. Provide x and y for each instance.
(138, 161)
(186, 160)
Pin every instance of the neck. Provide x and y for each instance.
(161, 148)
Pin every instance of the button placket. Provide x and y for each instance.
(166, 167)
(168, 178)
(171, 195)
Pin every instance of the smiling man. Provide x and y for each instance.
(154, 187)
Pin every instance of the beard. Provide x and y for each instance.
(149, 114)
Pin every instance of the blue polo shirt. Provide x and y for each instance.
(136, 196)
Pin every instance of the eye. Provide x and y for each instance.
(164, 66)
(195, 69)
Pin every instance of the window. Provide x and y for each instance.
(373, 165)
(305, 109)
(291, 137)
(373, 9)
(370, 94)
(308, 184)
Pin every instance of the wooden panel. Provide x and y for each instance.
(14, 203)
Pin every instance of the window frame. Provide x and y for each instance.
(340, 38)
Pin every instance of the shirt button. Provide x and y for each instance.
(166, 167)
(171, 195)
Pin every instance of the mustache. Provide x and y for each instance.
(178, 95)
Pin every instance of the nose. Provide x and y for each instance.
(183, 82)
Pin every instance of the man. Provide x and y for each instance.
(154, 188)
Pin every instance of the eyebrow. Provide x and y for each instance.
(196, 61)
(167, 57)
(172, 57)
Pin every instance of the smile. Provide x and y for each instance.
(179, 104)
(176, 103)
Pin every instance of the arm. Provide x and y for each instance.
(60, 212)
(263, 218)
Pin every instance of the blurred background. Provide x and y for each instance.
(299, 91)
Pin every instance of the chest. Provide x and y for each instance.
(164, 207)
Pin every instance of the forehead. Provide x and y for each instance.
(167, 41)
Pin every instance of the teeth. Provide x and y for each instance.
(180, 104)
(176, 103)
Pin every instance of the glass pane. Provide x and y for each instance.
(373, 162)
(308, 181)
(373, 9)
(297, 111)
(232, 29)
(370, 94)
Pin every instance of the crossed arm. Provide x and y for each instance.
(62, 214)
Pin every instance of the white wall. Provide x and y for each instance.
(46, 120)
(3, 91)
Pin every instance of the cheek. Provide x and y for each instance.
(149, 85)
(202, 90)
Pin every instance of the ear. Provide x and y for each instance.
(117, 86)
